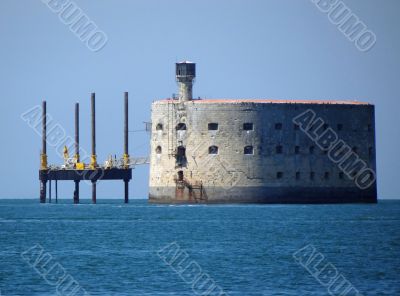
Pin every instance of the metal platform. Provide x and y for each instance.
(75, 170)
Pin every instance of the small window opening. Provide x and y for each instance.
(278, 126)
(213, 150)
(279, 149)
(248, 126)
(159, 127)
(213, 126)
(248, 150)
(181, 127)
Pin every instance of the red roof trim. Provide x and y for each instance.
(270, 101)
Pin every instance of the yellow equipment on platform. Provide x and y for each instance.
(80, 166)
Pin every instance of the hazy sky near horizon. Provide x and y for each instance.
(279, 49)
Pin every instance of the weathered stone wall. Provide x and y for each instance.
(265, 175)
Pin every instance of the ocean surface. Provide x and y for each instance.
(116, 249)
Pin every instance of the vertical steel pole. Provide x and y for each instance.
(94, 200)
(77, 132)
(126, 124)
(93, 159)
(93, 107)
(43, 156)
(126, 182)
(49, 191)
(126, 152)
(44, 127)
(76, 192)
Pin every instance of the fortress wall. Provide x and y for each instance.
(232, 176)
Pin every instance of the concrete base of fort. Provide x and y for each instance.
(273, 195)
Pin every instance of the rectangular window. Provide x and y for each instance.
(278, 126)
(325, 126)
(341, 175)
(248, 150)
(279, 149)
(297, 175)
(369, 128)
(279, 175)
(312, 175)
(296, 127)
(213, 126)
(297, 149)
(326, 176)
(339, 127)
(312, 148)
(248, 126)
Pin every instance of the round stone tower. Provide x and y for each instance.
(185, 76)
(253, 150)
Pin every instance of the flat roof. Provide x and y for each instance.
(271, 101)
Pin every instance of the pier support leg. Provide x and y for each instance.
(56, 193)
(126, 183)
(49, 191)
(94, 192)
(76, 192)
(43, 191)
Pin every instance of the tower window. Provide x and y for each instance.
(279, 175)
(248, 126)
(312, 148)
(341, 175)
(158, 150)
(297, 149)
(326, 176)
(339, 127)
(279, 149)
(213, 126)
(213, 150)
(181, 127)
(325, 126)
(159, 127)
(248, 150)
(312, 175)
(297, 175)
(369, 127)
(296, 127)
(278, 126)
(355, 149)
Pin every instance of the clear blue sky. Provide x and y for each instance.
(244, 49)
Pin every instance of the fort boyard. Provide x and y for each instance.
(260, 150)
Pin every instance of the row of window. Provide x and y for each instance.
(279, 150)
(310, 175)
(248, 126)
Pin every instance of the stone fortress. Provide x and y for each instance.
(260, 151)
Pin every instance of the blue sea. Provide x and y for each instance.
(142, 249)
